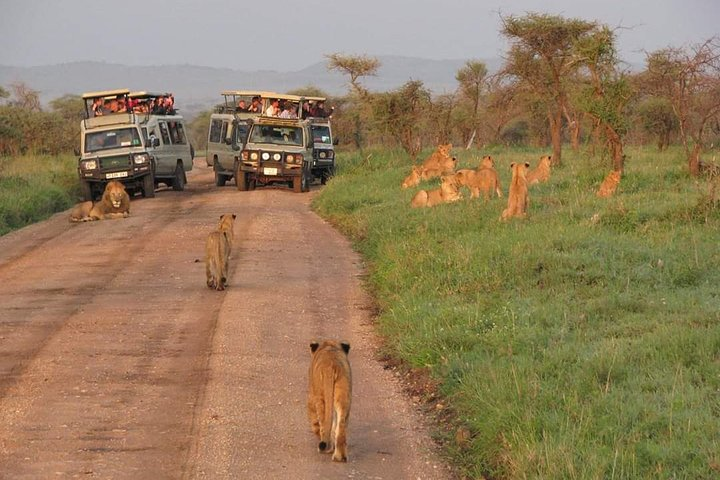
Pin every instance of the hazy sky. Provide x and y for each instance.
(288, 35)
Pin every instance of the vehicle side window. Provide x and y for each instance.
(164, 133)
(177, 135)
(224, 130)
(216, 131)
(181, 134)
(145, 136)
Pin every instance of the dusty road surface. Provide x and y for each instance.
(116, 361)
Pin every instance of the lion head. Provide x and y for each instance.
(114, 194)
(444, 150)
(487, 162)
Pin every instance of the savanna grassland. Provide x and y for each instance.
(33, 187)
(581, 342)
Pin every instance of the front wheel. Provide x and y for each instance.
(86, 190)
(148, 186)
(220, 179)
(178, 181)
(241, 179)
(305, 181)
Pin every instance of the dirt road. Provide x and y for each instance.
(116, 361)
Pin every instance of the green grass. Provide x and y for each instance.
(582, 342)
(34, 187)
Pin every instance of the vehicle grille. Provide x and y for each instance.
(115, 162)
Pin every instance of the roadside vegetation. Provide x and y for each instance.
(33, 187)
(582, 342)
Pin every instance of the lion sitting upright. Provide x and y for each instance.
(414, 177)
(439, 162)
(115, 203)
(329, 396)
(541, 173)
(609, 184)
(518, 195)
(448, 192)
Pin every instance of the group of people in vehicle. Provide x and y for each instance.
(285, 108)
(160, 105)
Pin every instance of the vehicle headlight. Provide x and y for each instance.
(277, 157)
(253, 156)
(141, 158)
(265, 156)
(322, 155)
(290, 158)
(89, 164)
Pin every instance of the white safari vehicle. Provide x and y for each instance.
(136, 138)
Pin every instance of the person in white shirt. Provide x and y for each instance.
(274, 109)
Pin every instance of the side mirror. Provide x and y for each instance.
(228, 141)
(155, 142)
(236, 147)
(336, 141)
(76, 151)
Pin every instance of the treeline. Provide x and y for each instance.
(561, 84)
(26, 128)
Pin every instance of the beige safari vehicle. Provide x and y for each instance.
(137, 146)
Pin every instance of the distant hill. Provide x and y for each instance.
(197, 88)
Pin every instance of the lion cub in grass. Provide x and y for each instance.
(329, 395)
(217, 253)
(518, 195)
(609, 184)
(541, 173)
(448, 192)
(484, 179)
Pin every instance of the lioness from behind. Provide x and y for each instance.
(227, 225)
(541, 173)
(518, 194)
(115, 203)
(217, 251)
(329, 396)
(448, 192)
(609, 184)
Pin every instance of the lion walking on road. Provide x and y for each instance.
(329, 395)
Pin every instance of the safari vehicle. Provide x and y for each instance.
(277, 151)
(323, 157)
(122, 141)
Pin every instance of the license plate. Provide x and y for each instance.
(116, 175)
(269, 171)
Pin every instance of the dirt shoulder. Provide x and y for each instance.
(117, 362)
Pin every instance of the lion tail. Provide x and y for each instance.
(326, 422)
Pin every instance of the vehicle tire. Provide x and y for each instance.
(178, 181)
(305, 180)
(86, 190)
(148, 186)
(220, 179)
(241, 180)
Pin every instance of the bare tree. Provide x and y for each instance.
(25, 97)
(690, 80)
(471, 79)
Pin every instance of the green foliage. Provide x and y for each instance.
(582, 342)
(402, 112)
(198, 131)
(33, 188)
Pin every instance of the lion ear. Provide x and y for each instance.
(346, 347)
(314, 346)
(527, 164)
(512, 165)
(234, 216)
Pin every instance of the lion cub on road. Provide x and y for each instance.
(329, 395)
(217, 252)
(518, 195)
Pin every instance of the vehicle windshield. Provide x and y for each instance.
(321, 134)
(108, 139)
(276, 135)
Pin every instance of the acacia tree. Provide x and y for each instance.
(401, 112)
(542, 59)
(501, 105)
(690, 80)
(471, 79)
(608, 93)
(355, 67)
(657, 118)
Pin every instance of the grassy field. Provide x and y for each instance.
(34, 187)
(582, 342)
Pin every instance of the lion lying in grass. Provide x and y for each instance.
(518, 195)
(115, 203)
(448, 192)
